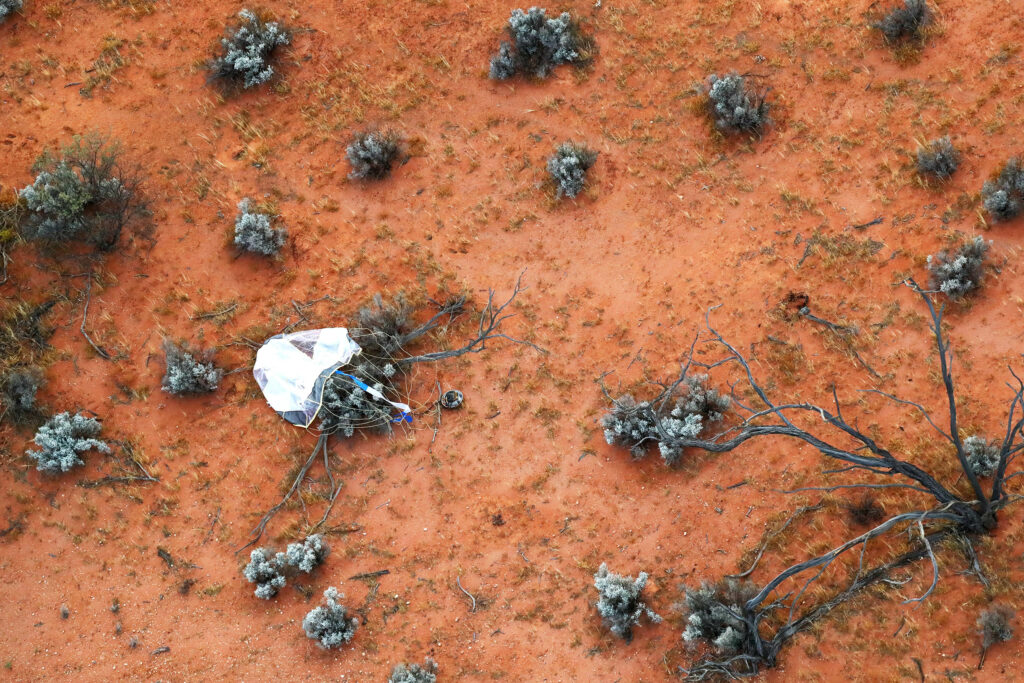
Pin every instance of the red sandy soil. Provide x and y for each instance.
(676, 220)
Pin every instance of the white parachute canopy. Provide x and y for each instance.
(292, 369)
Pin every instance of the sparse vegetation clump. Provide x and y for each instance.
(84, 192)
(308, 555)
(620, 602)
(938, 159)
(982, 456)
(248, 50)
(960, 273)
(330, 625)
(995, 627)
(671, 419)
(1003, 196)
(735, 106)
(373, 153)
(254, 231)
(189, 371)
(414, 673)
(265, 570)
(539, 44)
(568, 168)
(62, 440)
(714, 615)
(18, 388)
(906, 22)
(9, 7)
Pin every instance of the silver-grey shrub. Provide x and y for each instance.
(620, 601)
(372, 153)
(735, 107)
(539, 44)
(959, 273)
(189, 371)
(939, 158)
(1003, 196)
(715, 615)
(638, 425)
(982, 456)
(9, 7)
(254, 231)
(414, 673)
(248, 51)
(61, 441)
(330, 624)
(265, 570)
(308, 555)
(568, 168)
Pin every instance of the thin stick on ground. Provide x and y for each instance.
(257, 532)
(85, 313)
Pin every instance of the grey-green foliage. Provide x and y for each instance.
(568, 168)
(248, 50)
(330, 624)
(734, 106)
(959, 273)
(982, 456)
(8, 7)
(1003, 196)
(620, 602)
(254, 232)
(61, 441)
(715, 615)
(638, 425)
(538, 45)
(414, 673)
(18, 390)
(994, 625)
(631, 424)
(189, 371)
(905, 21)
(939, 158)
(84, 192)
(308, 555)
(265, 570)
(372, 153)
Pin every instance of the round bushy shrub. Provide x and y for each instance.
(938, 159)
(372, 153)
(85, 192)
(539, 44)
(568, 168)
(189, 371)
(264, 569)
(248, 50)
(1003, 196)
(414, 673)
(61, 441)
(330, 624)
(958, 274)
(734, 106)
(254, 232)
(619, 602)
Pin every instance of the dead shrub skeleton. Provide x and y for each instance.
(951, 516)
